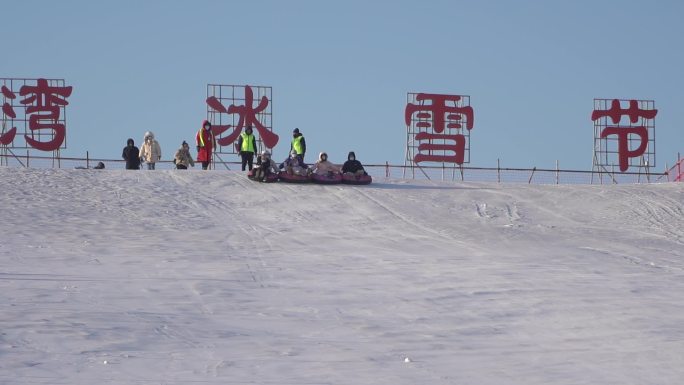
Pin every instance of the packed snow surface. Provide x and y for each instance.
(191, 277)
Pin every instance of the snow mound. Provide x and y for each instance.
(127, 277)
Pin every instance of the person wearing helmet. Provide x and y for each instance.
(298, 143)
(265, 166)
(294, 165)
(150, 151)
(247, 147)
(353, 166)
(324, 167)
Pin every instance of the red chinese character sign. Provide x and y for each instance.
(624, 133)
(231, 108)
(35, 110)
(438, 128)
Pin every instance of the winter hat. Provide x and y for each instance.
(351, 154)
(295, 131)
(130, 142)
(321, 155)
(206, 123)
(265, 154)
(149, 134)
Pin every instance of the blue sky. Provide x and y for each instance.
(340, 71)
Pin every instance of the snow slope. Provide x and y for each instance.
(168, 277)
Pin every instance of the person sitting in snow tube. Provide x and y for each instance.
(353, 171)
(325, 171)
(293, 169)
(266, 169)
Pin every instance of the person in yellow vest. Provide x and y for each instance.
(298, 143)
(247, 146)
(206, 143)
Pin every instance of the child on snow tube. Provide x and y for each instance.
(294, 165)
(324, 167)
(265, 168)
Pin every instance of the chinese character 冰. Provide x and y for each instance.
(247, 117)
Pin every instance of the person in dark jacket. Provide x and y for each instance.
(353, 166)
(247, 146)
(131, 155)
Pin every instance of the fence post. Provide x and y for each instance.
(27, 158)
(498, 170)
(87, 160)
(557, 173)
(387, 169)
(667, 172)
(531, 175)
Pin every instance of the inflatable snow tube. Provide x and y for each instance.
(293, 178)
(356, 179)
(269, 179)
(330, 178)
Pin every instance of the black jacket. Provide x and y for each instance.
(351, 165)
(131, 155)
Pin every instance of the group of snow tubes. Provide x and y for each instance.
(329, 178)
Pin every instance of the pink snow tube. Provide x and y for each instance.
(329, 178)
(293, 178)
(269, 179)
(356, 179)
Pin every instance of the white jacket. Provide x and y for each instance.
(322, 167)
(150, 151)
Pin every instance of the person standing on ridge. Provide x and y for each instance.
(247, 146)
(131, 154)
(183, 159)
(206, 143)
(150, 151)
(298, 143)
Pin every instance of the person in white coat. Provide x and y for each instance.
(150, 151)
(325, 167)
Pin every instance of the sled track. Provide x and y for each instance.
(412, 222)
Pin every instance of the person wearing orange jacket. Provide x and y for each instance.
(206, 143)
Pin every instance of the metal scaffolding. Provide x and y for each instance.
(237, 102)
(616, 122)
(437, 132)
(16, 114)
